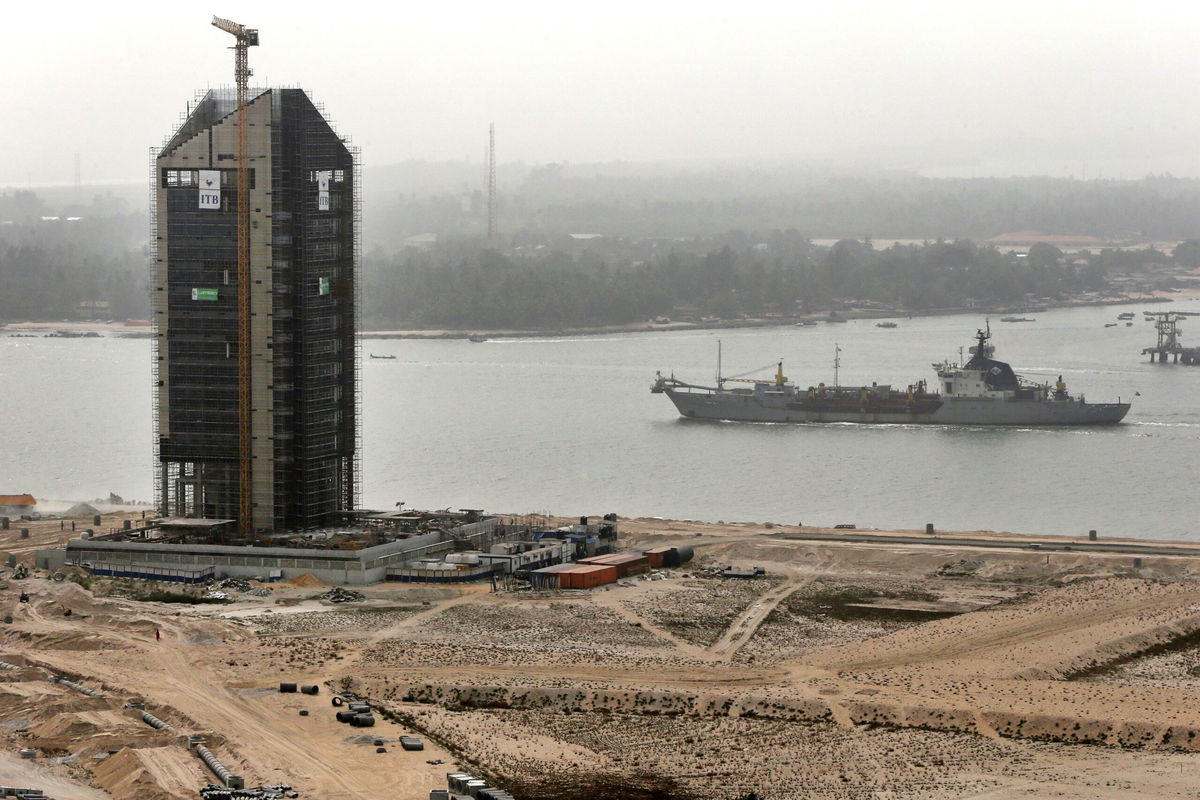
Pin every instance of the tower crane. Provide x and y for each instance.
(245, 39)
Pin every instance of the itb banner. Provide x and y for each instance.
(210, 188)
(323, 190)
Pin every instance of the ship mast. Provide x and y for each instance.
(720, 380)
(837, 363)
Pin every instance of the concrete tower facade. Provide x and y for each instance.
(303, 192)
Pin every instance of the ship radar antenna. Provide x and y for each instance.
(983, 334)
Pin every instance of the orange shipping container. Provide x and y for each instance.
(656, 555)
(626, 563)
(587, 576)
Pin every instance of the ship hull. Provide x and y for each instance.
(748, 407)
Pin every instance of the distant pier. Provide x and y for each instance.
(1178, 355)
(1167, 324)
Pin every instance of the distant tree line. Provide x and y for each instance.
(90, 254)
(451, 286)
(658, 249)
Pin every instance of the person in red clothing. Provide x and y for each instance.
(157, 635)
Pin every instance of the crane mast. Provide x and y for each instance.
(245, 39)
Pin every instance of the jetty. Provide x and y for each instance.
(1169, 346)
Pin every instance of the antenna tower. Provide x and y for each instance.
(245, 39)
(491, 208)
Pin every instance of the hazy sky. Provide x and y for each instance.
(999, 88)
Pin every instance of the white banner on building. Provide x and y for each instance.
(323, 189)
(210, 188)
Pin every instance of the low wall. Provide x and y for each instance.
(344, 567)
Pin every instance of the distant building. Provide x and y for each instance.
(1026, 238)
(93, 309)
(16, 503)
(303, 267)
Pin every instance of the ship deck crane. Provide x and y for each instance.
(245, 39)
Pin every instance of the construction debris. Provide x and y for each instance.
(243, 586)
(339, 595)
(214, 792)
(963, 568)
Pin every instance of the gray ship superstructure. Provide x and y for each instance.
(983, 391)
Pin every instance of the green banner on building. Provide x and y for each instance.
(204, 294)
(322, 285)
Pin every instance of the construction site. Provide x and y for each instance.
(258, 635)
(778, 661)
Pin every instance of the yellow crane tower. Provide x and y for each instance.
(245, 39)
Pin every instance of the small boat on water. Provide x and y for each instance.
(385, 357)
(476, 338)
(1126, 315)
(1017, 319)
(1110, 324)
(885, 325)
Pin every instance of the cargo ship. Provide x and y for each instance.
(982, 391)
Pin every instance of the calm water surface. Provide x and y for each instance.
(569, 426)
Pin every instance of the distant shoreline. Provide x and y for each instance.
(141, 331)
(754, 322)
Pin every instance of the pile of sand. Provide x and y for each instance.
(307, 581)
(81, 510)
(73, 596)
(125, 775)
(66, 726)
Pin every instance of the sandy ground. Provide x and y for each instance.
(852, 670)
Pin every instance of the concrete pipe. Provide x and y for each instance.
(219, 769)
(77, 687)
(361, 708)
(154, 722)
(287, 687)
(304, 712)
(363, 721)
(346, 716)
(338, 701)
(310, 689)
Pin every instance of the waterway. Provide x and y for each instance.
(568, 426)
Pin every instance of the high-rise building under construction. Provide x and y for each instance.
(303, 249)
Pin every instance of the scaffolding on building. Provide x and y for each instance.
(311, 343)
